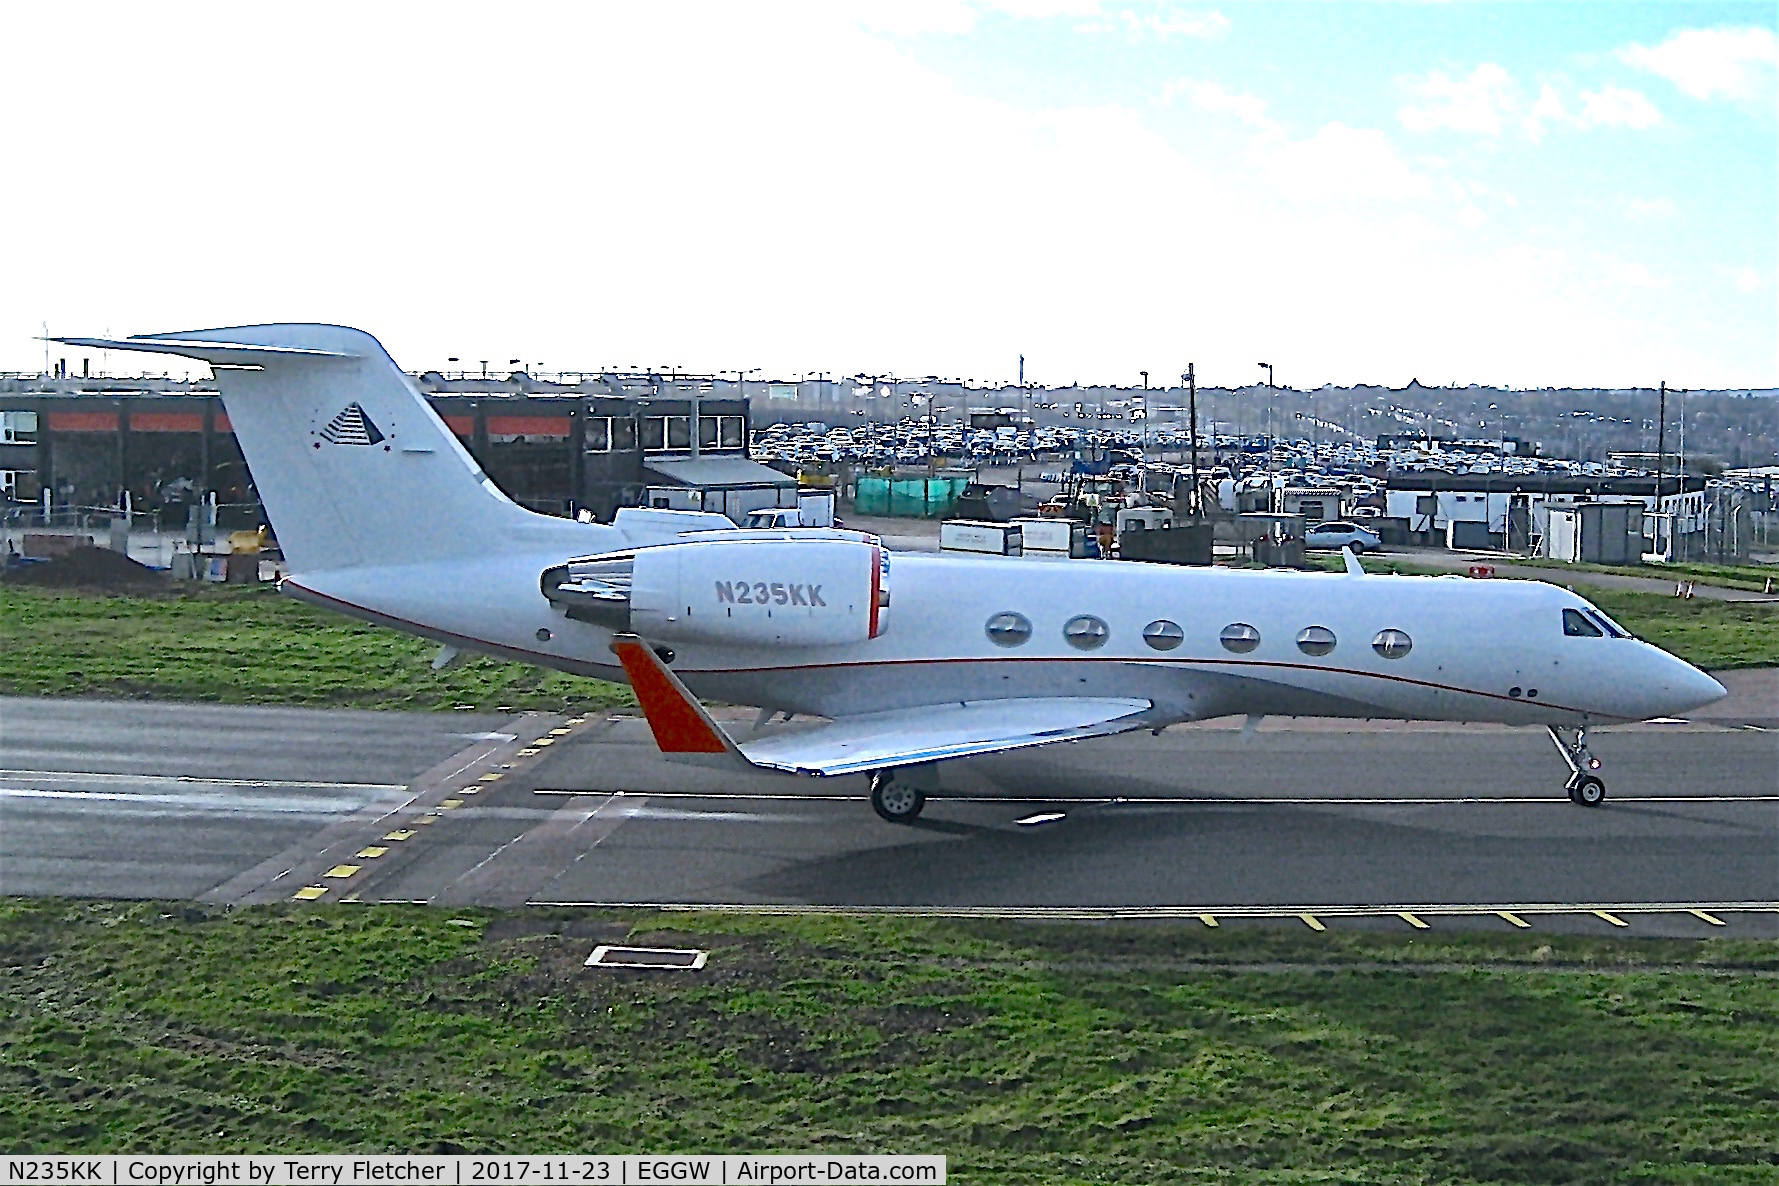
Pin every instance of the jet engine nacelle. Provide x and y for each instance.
(759, 592)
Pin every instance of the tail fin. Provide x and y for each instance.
(353, 465)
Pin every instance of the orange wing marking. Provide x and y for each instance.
(680, 724)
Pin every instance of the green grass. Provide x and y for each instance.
(251, 646)
(1026, 1053)
(1730, 576)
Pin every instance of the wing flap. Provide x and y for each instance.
(935, 732)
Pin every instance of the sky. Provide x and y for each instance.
(1525, 194)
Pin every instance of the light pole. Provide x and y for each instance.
(1191, 381)
(1272, 436)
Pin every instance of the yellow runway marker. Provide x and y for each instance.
(372, 853)
(309, 893)
(1515, 919)
(398, 834)
(448, 804)
(1210, 920)
(1614, 919)
(560, 732)
(1716, 922)
(428, 818)
(341, 871)
(494, 776)
(577, 720)
(470, 791)
(1412, 921)
(1312, 922)
(545, 741)
(528, 751)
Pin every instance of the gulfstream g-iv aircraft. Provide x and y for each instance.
(914, 659)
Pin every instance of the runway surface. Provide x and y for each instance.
(1321, 824)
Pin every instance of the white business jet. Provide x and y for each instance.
(383, 515)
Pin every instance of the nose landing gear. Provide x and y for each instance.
(1585, 787)
(897, 802)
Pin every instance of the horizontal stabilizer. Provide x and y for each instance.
(936, 732)
(223, 353)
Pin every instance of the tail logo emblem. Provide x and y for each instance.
(351, 427)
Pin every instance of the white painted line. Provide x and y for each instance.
(1667, 721)
(1196, 800)
(193, 780)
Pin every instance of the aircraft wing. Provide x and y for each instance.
(849, 745)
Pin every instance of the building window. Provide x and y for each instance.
(1163, 635)
(654, 433)
(1239, 638)
(1085, 632)
(1576, 625)
(734, 431)
(679, 432)
(1315, 640)
(1008, 629)
(598, 434)
(707, 432)
(623, 434)
(1392, 644)
(18, 428)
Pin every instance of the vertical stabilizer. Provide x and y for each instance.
(354, 467)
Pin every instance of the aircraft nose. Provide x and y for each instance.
(1690, 688)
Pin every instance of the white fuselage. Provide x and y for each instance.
(1481, 650)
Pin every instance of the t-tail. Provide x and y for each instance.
(353, 466)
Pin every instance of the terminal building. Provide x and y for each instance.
(563, 448)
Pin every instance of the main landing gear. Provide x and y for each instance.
(1584, 786)
(897, 802)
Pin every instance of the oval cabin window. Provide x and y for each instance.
(1008, 629)
(1239, 638)
(1163, 635)
(1315, 640)
(1086, 632)
(1392, 644)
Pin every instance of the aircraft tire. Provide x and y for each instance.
(895, 802)
(1588, 792)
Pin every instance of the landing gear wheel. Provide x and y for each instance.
(1588, 791)
(896, 802)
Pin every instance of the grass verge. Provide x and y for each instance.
(250, 645)
(1026, 1053)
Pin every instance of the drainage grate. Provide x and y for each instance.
(646, 957)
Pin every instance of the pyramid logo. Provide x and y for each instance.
(351, 427)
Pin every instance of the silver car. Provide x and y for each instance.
(1341, 534)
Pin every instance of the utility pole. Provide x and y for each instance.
(1198, 510)
(1272, 441)
(1661, 443)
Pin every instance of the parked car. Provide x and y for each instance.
(1341, 535)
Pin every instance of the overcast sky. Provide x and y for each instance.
(1524, 193)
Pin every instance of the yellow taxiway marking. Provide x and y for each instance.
(1412, 921)
(577, 720)
(398, 834)
(491, 776)
(1312, 922)
(428, 818)
(341, 871)
(448, 804)
(1515, 919)
(528, 751)
(1612, 918)
(351, 897)
(470, 791)
(371, 853)
(544, 741)
(560, 732)
(309, 893)
(1714, 921)
(1210, 920)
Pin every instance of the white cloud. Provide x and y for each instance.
(1630, 273)
(1745, 279)
(1548, 109)
(1344, 162)
(1478, 103)
(1616, 107)
(1706, 63)
(1208, 96)
(1159, 22)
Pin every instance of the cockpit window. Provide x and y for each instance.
(1607, 624)
(1577, 625)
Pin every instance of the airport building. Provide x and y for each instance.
(563, 448)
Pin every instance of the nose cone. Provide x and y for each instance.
(1685, 688)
